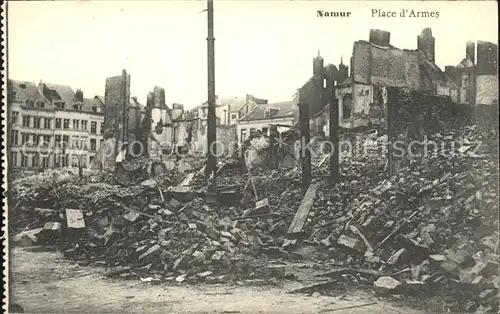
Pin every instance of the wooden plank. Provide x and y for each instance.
(323, 160)
(187, 180)
(305, 206)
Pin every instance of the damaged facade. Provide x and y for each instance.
(376, 64)
(477, 81)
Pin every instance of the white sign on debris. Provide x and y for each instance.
(74, 218)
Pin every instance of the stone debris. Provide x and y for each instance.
(385, 285)
(434, 222)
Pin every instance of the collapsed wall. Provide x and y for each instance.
(104, 158)
(428, 113)
(116, 103)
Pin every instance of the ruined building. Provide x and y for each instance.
(477, 80)
(318, 90)
(376, 64)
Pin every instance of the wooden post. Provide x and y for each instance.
(211, 119)
(334, 138)
(305, 153)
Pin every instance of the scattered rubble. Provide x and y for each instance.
(433, 223)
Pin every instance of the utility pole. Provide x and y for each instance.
(211, 119)
(334, 137)
(390, 128)
(305, 153)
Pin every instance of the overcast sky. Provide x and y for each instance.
(264, 48)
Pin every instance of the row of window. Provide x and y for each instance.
(46, 140)
(43, 161)
(36, 123)
(57, 104)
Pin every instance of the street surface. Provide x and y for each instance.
(44, 282)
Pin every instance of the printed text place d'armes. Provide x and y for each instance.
(405, 13)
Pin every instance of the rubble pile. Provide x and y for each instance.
(432, 224)
(157, 229)
(435, 219)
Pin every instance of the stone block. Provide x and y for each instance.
(181, 263)
(350, 243)
(385, 285)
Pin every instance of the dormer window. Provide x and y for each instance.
(267, 113)
(59, 104)
(94, 109)
(23, 86)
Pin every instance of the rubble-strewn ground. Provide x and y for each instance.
(429, 230)
(44, 282)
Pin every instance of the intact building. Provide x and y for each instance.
(262, 116)
(52, 126)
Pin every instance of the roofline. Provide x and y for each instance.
(271, 118)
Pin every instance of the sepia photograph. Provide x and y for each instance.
(223, 156)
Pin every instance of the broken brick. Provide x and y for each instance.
(396, 257)
(385, 285)
(153, 249)
(27, 238)
(350, 243)
(181, 263)
(131, 216)
(212, 233)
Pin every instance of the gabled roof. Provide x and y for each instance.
(100, 98)
(25, 90)
(284, 109)
(89, 103)
(64, 91)
(234, 102)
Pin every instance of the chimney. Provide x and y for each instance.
(380, 37)
(425, 43)
(351, 63)
(344, 70)
(318, 65)
(470, 51)
(79, 95)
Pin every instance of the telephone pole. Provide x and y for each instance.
(211, 119)
(334, 136)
